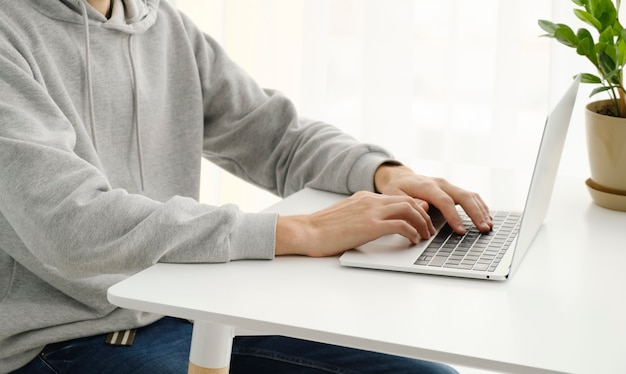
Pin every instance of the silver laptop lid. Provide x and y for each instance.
(545, 171)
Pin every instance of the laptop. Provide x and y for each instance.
(495, 255)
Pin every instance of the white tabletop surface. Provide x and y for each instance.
(564, 310)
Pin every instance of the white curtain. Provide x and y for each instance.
(453, 88)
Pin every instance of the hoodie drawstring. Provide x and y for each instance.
(92, 116)
(136, 110)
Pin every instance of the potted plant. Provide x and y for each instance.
(605, 47)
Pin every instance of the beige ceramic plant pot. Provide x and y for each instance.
(606, 143)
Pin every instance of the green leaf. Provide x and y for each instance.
(621, 52)
(611, 72)
(607, 36)
(613, 77)
(611, 51)
(588, 18)
(585, 48)
(606, 64)
(586, 45)
(565, 35)
(618, 28)
(599, 90)
(547, 26)
(606, 13)
(590, 78)
(600, 47)
(584, 33)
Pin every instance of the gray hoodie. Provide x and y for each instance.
(102, 130)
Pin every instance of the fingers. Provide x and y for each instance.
(478, 211)
(400, 180)
(412, 215)
(400, 214)
(446, 196)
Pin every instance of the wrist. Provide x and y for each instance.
(384, 174)
(291, 232)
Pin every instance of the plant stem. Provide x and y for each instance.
(622, 101)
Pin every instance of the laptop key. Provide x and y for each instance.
(458, 266)
(438, 261)
(480, 266)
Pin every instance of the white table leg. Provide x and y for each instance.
(211, 346)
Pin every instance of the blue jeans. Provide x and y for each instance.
(163, 347)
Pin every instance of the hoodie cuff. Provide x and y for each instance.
(256, 238)
(361, 177)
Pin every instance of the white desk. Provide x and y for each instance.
(567, 314)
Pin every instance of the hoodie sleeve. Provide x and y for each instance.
(256, 134)
(61, 218)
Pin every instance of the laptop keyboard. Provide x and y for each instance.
(474, 250)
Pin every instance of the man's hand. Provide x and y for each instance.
(400, 208)
(360, 218)
(400, 180)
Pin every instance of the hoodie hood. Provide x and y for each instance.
(128, 16)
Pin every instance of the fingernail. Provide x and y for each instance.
(460, 228)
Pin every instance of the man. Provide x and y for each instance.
(107, 108)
